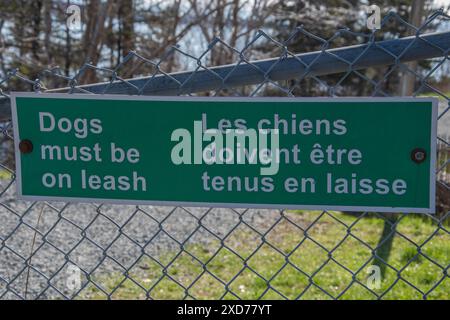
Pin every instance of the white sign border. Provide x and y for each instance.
(434, 118)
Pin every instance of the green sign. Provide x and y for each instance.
(354, 154)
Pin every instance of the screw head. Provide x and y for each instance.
(418, 155)
(25, 146)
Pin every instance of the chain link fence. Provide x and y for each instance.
(53, 250)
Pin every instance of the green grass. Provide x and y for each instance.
(434, 94)
(5, 175)
(269, 266)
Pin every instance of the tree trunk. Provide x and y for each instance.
(94, 36)
(128, 26)
(408, 80)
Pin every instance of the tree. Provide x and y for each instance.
(324, 19)
(415, 18)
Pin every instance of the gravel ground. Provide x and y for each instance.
(100, 238)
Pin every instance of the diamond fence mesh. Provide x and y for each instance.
(95, 251)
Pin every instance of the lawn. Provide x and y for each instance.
(5, 175)
(288, 265)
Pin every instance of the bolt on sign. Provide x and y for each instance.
(359, 154)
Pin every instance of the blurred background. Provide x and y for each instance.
(35, 35)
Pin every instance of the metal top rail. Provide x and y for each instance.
(287, 66)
